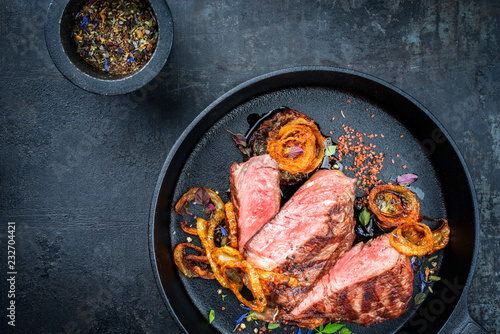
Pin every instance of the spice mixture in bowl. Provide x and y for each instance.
(109, 47)
(118, 37)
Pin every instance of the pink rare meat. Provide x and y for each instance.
(255, 193)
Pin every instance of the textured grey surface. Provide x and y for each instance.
(77, 170)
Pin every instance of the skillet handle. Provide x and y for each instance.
(461, 322)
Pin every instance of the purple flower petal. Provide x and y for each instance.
(201, 197)
(239, 138)
(295, 151)
(406, 179)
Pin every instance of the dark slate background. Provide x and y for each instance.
(77, 170)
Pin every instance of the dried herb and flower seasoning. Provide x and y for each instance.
(116, 36)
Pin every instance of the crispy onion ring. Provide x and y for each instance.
(190, 265)
(297, 146)
(393, 205)
(414, 238)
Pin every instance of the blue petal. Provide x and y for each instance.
(240, 320)
(223, 231)
(106, 64)
(120, 50)
(131, 59)
(85, 22)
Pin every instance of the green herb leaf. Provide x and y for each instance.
(345, 330)
(331, 328)
(364, 217)
(419, 298)
(272, 326)
(211, 316)
(224, 296)
(434, 278)
(251, 316)
(330, 150)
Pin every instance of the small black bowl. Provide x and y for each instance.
(62, 49)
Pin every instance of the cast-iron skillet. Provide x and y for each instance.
(332, 97)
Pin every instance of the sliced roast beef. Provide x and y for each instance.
(255, 193)
(371, 283)
(312, 230)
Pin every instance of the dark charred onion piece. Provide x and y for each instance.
(412, 238)
(188, 264)
(393, 205)
(258, 139)
(231, 224)
(441, 236)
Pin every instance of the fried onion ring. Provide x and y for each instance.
(297, 146)
(393, 205)
(413, 238)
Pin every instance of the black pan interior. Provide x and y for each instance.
(203, 155)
